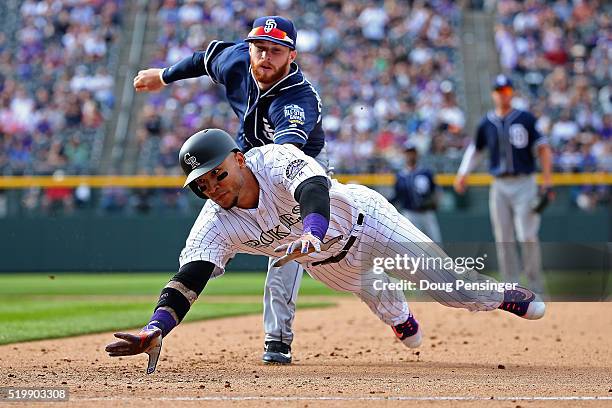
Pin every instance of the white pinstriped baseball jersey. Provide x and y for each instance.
(219, 234)
(378, 230)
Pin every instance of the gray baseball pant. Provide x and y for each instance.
(510, 205)
(281, 290)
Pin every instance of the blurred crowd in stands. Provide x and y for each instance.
(57, 67)
(560, 54)
(387, 71)
(56, 83)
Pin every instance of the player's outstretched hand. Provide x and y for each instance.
(148, 80)
(306, 244)
(148, 340)
(301, 247)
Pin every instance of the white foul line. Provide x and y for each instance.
(370, 398)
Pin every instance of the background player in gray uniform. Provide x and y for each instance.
(417, 194)
(275, 200)
(511, 137)
(275, 104)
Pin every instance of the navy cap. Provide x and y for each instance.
(502, 81)
(277, 29)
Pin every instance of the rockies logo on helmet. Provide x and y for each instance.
(191, 160)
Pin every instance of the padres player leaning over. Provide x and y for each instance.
(276, 200)
(511, 138)
(275, 104)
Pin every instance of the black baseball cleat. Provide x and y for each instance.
(523, 303)
(409, 332)
(276, 352)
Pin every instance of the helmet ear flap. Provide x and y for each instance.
(196, 189)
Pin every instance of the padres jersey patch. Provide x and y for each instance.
(518, 135)
(295, 114)
(294, 168)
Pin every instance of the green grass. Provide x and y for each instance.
(585, 286)
(232, 283)
(42, 306)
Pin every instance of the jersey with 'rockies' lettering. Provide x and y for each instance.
(510, 141)
(288, 112)
(219, 234)
(367, 225)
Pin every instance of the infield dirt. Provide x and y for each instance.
(344, 354)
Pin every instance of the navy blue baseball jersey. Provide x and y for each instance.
(415, 190)
(511, 141)
(288, 112)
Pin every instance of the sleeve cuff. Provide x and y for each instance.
(541, 141)
(161, 77)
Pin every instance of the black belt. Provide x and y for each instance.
(340, 255)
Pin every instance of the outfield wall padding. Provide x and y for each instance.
(152, 243)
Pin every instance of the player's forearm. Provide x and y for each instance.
(313, 197)
(545, 155)
(179, 294)
(470, 160)
(189, 67)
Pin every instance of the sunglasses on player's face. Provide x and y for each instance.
(505, 90)
(274, 33)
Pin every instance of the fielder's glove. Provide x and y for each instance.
(148, 340)
(544, 198)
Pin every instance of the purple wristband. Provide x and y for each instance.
(164, 320)
(316, 224)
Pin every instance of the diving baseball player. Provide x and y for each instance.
(275, 104)
(275, 200)
(512, 140)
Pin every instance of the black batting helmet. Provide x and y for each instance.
(202, 152)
